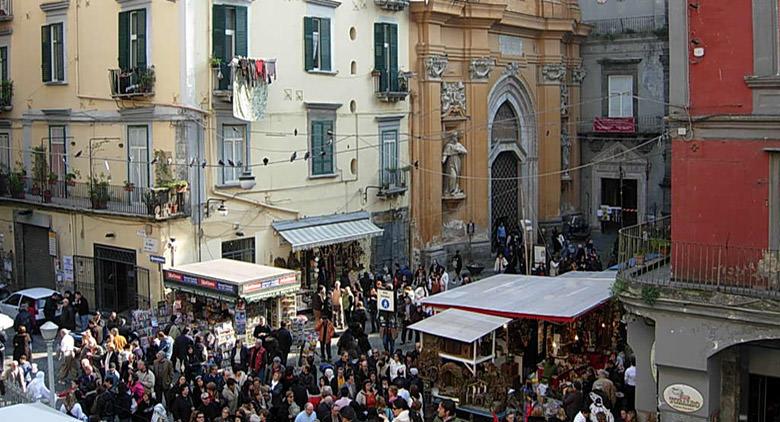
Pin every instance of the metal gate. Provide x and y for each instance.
(98, 279)
(505, 194)
(35, 265)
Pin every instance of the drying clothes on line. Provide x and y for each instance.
(250, 87)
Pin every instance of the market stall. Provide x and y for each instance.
(571, 319)
(324, 248)
(232, 295)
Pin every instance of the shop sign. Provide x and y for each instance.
(683, 398)
(201, 282)
(267, 284)
(157, 259)
(385, 300)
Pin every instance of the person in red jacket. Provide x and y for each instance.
(257, 359)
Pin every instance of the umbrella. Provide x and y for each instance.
(6, 322)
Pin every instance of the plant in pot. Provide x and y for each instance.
(70, 178)
(40, 170)
(129, 186)
(215, 62)
(16, 182)
(149, 199)
(98, 192)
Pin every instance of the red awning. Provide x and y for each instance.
(614, 125)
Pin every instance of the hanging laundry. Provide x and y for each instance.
(250, 88)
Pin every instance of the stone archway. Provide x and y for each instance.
(512, 152)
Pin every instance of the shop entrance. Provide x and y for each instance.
(119, 284)
(764, 398)
(627, 200)
(36, 268)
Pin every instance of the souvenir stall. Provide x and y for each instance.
(325, 247)
(571, 319)
(231, 296)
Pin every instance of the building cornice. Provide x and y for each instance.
(55, 6)
(326, 3)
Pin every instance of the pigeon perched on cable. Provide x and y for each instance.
(192, 162)
(293, 156)
(78, 154)
(295, 132)
(203, 164)
(265, 161)
(416, 164)
(154, 160)
(221, 163)
(130, 158)
(232, 164)
(306, 155)
(323, 153)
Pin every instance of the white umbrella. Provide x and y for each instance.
(6, 322)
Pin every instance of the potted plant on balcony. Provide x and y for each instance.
(98, 192)
(70, 177)
(129, 186)
(149, 199)
(215, 62)
(16, 182)
(40, 170)
(660, 245)
(146, 80)
(53, 178)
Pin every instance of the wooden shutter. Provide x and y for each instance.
(241, 32)
(325, 44)
(141, 37)
(218, 43)
(308, 43)
(318, 159)
(4, 59)
(124, 41)
(46, 53)
(379, 55)
(60, 56)
(392, 51)
(327, 165)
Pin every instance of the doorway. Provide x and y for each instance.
(622, 196)
(116, 278)
(764, 400)
(505, 192)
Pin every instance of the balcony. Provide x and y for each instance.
(392, 182)
(390, 88)
(624, 125)
(6, 95)
(132, 83)
(640, 25)
(99, 196)
(6, 10)
(392, 5)
(649, 257)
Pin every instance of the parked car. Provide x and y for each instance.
(36, 296)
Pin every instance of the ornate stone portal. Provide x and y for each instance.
(453, 99)
(452, 161)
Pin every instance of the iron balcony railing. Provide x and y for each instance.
(642, 124)
(629, 25)
(158, 203)
(392, 182)
(130, 83)
(648, 255)
(6, 9)
(389, 87)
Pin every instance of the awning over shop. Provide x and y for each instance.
(226, 278)
(459, 325)
(556, 299)
(311, 232)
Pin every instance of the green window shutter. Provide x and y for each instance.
(317, 160)
(60, 53)
(392, 51)
(379, 55)
(141, 37)
(46, 53)
(218, 42)
(124, 40)
(325, 44)
(4, 59)
(308, 43)
(241, 32)
(327, 165)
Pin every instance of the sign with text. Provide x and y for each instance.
(269, 283)
(683, 398)
(202, 283)
(385, 300)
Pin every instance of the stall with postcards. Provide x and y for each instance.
(223, 292)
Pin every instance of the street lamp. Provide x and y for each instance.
(49, 333)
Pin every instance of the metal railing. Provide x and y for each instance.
(391, 88)
(136, 82)
(13, 395)
(642, 124)
(6, 9)
(629, 25)
(392, 182)
(647, 254)
(160, 203)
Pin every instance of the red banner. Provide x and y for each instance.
(614, 125)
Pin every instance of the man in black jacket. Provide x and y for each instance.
(82, 309)
(285, 341)
(50, 307)
(105, 402)
(68, 316)
(180, 346)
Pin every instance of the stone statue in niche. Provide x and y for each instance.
(565, 152)
(452, 161)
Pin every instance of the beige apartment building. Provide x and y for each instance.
(120, 152)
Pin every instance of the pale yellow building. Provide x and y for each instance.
(107, 172)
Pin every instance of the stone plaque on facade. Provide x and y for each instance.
(510, 45)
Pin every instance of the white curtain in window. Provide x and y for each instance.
(233, 141)
(138, 150)
(621, 92)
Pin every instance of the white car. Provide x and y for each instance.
(36, 295)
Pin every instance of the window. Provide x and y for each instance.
(138, 155)
(389, 158)
(239, 249)
(229, 37)
(14, 299)
(322, 147)
(233, 149)
(774, 201)
(53, 53)
(621, 96)
(132, 39)
(316, 35)
(386, 56)
(5, 152)
(4, 64)
(57, 150)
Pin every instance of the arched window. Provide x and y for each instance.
(505, 125)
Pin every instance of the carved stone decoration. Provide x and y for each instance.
(565, 152)
(554, 72)
(451, 159)
(480, 68)
(578, 74)
(453, 98)
(512, 69)
(435, 67)
(564, 100)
